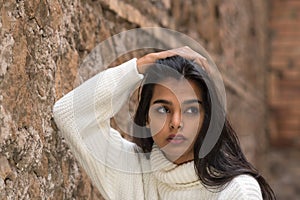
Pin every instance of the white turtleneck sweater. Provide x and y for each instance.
(113, 163)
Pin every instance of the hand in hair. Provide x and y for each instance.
(144, 62)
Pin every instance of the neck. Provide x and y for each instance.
(181, 160)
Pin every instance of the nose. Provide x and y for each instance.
(176, 121)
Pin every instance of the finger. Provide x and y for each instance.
(187, 53)
(164, 54)
(204, 64)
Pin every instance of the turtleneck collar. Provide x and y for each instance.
(165, 171)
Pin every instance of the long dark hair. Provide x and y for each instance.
(226, 160)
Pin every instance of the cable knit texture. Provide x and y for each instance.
(113, 163)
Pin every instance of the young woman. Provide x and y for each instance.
(170, 124)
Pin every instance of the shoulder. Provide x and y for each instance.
(243, 187)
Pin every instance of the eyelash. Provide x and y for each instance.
(194, 110)
(159, 110)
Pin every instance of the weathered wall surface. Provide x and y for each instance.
(42, 43)
(284, 97)
(284, 68)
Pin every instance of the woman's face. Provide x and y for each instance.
(175, 118)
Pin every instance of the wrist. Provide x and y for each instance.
(144, 62)
(139, 66)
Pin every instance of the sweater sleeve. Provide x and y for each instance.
(242, 187)
(83, 117)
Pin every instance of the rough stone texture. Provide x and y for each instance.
(43, 42)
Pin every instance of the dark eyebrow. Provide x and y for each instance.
(162, 101)
(192, 101)
(170, 103)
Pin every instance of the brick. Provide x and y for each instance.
(284, 62)
(287, 123)
(284, 4)
(285, 53)
(285, 14)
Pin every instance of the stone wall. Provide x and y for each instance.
(44, 41)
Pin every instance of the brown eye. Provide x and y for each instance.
(192, 110)
(162, 110)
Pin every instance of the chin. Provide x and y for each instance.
(174, 153)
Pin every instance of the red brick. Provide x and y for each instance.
(279, 51)
(284, 62)
(285, 4)
(286, 14)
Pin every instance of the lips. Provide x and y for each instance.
(176, 138)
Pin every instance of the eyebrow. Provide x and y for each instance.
(163, 101)
(192, 101)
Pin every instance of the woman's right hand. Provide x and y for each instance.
(186, 52)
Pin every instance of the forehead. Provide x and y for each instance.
(182, 89)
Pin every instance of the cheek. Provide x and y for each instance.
(192, 126)
(157, 123)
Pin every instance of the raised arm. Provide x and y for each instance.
(83, 116)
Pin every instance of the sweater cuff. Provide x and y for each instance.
(129, 69)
